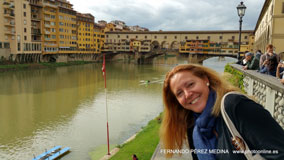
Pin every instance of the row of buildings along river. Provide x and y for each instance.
(51, 30)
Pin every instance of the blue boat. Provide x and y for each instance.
(53, 153)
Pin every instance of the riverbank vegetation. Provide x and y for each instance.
(144, 143)
(4, 67)
(235, 77)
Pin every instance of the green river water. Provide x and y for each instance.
(65, 106)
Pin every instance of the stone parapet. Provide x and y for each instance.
(267, 90)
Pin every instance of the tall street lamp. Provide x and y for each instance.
(241, 12)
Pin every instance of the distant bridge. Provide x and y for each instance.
(141, 58)
(200, 57)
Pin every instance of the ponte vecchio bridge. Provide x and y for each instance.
(199, 45)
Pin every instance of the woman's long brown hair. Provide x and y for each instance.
(177, 119)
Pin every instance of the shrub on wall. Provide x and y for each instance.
(237, 77)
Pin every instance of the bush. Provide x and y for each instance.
(237, 77)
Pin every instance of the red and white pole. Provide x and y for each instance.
(104, 74)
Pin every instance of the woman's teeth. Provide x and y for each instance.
(195, 100)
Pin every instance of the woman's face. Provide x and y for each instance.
(190, 91)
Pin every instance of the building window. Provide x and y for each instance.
(118, 36)
(127, 36)
(208, 37)
(25, 30)
(246, 37)
(197, 37)
(145, 37)
(185, 37)
(233, 37)
(25, 14)
(221, 37)
(25, 21)
(165, 37)
(155, 37)
(175, 37)
(136, 36)
(24, 6)
(25, 38)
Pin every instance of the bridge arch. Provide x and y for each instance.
(155, 45)
(165, 45)
(175, 45)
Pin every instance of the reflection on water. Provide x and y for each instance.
(66, 106)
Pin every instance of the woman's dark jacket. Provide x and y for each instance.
(255, 124)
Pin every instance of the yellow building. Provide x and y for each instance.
(49, 26)
(136, 45)
(269, 28)
(67, 32)
(99, 38)
(199, 46)
(86, 43)
(102, 40)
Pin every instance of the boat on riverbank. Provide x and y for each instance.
(53, 153)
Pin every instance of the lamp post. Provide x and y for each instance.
(241, 12)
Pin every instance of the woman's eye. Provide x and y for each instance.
(189, 85)
(179, 94)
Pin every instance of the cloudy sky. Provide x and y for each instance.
(173, 15)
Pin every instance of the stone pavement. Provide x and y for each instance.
(159, 155)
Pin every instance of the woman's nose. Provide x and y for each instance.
(187, 94)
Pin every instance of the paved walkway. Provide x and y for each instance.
(159, 155)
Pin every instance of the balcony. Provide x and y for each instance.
(49, 5)
(46, 32)
(35, 18)
(35, 27)
(36, 40)
(36, 4)
(10, 24)
(46, 18)
(49, 39)
(36, 32)
(9, 15)
(8, 5)
(10, 32)
(47, 25)
(50, 44)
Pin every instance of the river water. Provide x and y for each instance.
(65, 106)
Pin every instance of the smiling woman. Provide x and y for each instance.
(192, 97)
(190, 91)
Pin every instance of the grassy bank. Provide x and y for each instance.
(144, 143)
(14, 67)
